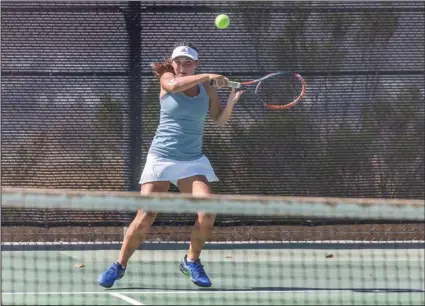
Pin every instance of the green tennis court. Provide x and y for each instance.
(261, 275)
(264, 250)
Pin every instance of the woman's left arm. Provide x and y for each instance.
(219, 115)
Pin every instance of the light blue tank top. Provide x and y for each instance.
(181, 126)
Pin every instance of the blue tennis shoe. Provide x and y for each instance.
(110, 275)
(195, 270)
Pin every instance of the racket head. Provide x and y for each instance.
(278, 90)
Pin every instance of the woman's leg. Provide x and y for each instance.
(198, 186)
(140, 225)
(134, 236)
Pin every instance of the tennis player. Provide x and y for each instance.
(175, 155)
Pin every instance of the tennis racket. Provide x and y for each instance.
(278, 90)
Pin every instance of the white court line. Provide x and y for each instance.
(260, 242)
(126, 298)
(199, 292)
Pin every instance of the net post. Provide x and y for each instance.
(133, 24)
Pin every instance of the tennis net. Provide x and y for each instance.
(263, 250)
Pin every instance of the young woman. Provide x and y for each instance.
(175, 155)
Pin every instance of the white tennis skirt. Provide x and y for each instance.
(164, 169)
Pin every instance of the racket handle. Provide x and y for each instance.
(230, 84)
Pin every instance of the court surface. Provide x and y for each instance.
(277, 275)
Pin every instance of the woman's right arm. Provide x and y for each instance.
(172, 84)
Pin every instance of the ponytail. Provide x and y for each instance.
(159, 68)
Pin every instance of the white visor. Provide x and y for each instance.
(185, 51)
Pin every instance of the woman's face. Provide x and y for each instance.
(184, 66)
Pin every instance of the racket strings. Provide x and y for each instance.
(278, 90)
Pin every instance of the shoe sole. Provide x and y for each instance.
(105, 286)
(185, 272)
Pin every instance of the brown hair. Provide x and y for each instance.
(159, 68)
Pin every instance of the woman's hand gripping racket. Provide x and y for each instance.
(278, 90)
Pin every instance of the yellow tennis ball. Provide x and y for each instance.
(222, 21)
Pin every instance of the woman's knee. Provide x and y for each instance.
(144, 220)
(206, 220)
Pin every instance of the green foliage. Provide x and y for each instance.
(380, 153)
(375, 27)
(150, 113)
(110, 116)
(106, 158)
